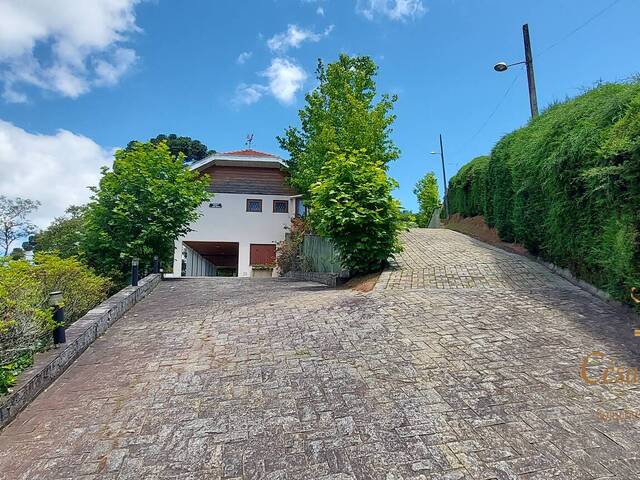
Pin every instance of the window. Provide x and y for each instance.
(280, 206)
(254, 205)
(301, 209)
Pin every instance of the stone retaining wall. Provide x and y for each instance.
(329, 279)
(51, 364)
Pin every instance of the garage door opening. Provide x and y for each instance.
(210, 259)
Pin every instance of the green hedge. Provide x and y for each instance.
(567, 186)
(467, 190)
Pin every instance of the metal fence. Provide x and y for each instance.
(321, 254)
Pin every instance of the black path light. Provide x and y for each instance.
(135, 265)
(156, 264)
(59, 333)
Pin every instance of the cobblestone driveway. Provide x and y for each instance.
(463, 363)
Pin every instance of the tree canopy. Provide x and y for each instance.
(141, 206)
(426, 191)
(14, 220)
(193, 150)
(352, 205)
(340, 114)
(63, 235)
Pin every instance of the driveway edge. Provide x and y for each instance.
(51, 364)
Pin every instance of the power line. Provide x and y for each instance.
(577, 29)
(517, 77)
(495, 110)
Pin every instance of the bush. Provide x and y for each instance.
(353, 206)
(567, 186)
(288, 252)
(25, 316)
(467, 189)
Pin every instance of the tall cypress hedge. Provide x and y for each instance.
(567, 186)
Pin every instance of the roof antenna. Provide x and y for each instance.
(249, 140)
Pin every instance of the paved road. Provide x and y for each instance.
(463, 363)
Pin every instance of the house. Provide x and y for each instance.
(251, 207)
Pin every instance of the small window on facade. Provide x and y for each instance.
(280, 206)
(254, 205)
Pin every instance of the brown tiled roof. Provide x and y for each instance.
(249, 153)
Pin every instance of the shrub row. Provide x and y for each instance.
(567, 186)
(25, 316)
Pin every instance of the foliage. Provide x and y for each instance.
(14, 220)
(341, 113)
(288, 252)
(467, 189)
(25, 316)
(140, 208)
(409, 219)
(353, 206)
(10, 371)
(81, 288)
(63, 235)
(193, 150)
(23, 309)
(568, 186)
(426, 191)
(17, 254)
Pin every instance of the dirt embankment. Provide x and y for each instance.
(476, 228)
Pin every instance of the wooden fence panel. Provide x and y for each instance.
(322, 254)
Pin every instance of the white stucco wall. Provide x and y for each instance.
(232, 223)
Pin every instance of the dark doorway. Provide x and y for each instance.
(211, 259)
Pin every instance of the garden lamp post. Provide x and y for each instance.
(528, 60)
(59, 334)
(156, 264)
(444, 178)
(135, 264)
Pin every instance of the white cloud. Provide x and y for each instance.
(294, 37)
(285, 79)
(79, 44)
(109, 73)
(249, 94)
(393, 9)
(54, 169)
(320, 11)
(244, 57)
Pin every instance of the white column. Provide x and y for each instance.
(244, 269)
(177, 259)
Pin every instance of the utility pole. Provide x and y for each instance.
(533, 97)
(444, 176)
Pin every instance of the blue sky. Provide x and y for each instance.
(78, 81)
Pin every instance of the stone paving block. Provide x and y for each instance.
(463, 363)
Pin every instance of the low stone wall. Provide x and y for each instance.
(51, 364)
(329, 279)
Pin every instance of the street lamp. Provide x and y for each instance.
(528, 61)
(444, 177)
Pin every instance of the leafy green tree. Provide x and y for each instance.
(426, 190)
(352, 205)
(193, 150)
(63, 235)
(140, 208)
(409, 219)
(340, 114)
(17, 254)
(14, 220)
